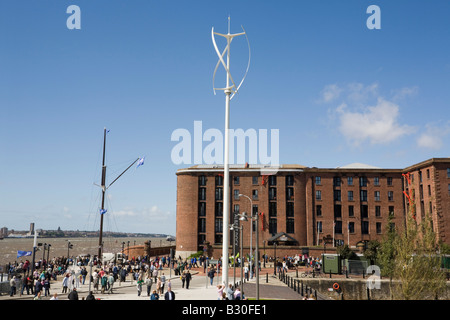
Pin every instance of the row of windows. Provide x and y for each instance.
(364, 211)
(350, 195)
(363, 181)
(272, 180)
(338, 227)
(272, 194)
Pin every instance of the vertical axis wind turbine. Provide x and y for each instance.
(230, 90)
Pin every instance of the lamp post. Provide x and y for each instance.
(230, 90)
(251, 232)
(254, 218)
(48, 251)
(242, 217)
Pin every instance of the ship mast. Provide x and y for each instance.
(104, 188)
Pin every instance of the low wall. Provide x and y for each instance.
(355, 289)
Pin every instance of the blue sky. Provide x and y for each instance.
(338, 93)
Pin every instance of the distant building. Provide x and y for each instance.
(3, 232)
(301, 207)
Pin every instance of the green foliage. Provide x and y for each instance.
(345, 252)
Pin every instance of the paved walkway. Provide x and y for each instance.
(199, 289)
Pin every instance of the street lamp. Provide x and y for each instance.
(242, 217)
(254, 218)
(251, 232)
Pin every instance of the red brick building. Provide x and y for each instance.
(304, 209)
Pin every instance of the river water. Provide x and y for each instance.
(58, 246)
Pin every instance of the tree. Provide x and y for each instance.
(371, 252)
(417, 264)
(345, 252)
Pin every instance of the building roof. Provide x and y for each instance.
(357, 165)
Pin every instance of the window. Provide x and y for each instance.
(236, 180)
(219, 180)
(218, 239)
(448, 172)
(273, 226)
(219, 194)
(377, 195)
(254, 180)
(289, 180)
(218, 225)
(429, 190)
(318, 195)
(218, 211)
(391, 210)
(289, 193)
(351, 227)
(350, 181)
(272, 209)
(255, 194)
(290, 226)
(338, 227)
(428, 173)
(350, 195)
(389, 181)
(363, 181)
(377, 211)
(337, 195)
(272, 180)
(378, 226)
(318, 181)
(365, 227)
(319, 226)
(351, 211)
(363, 195)
(319, 210)
(290, 209)
(449, 189)
(420, 176)
(255, 209)
(337, 181)
(202, 209)
(364, 211)
(391, 195)
(202, 225)
(376, 181)
(236, 208)
(202, 194)
(272, 193)
(337, 211)
(236, 194)
(202, 180)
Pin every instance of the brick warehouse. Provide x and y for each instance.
(305, 209)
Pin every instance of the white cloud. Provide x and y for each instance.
(330, 93)
(433, 136)
(378, 124)
(154, 213)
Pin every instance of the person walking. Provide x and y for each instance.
(73, 295)
(211, 273)
(154, 296)
(183, 279)
(139, 286)
(188, 279)
(65, 283)
(46, 287)
(13, 284)
(229, 292)
(163, 282)
(169, 295)
(149, 283)
(110, 282)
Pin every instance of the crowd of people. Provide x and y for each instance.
(145, 273)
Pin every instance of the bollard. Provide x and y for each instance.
(267, 277)
(302, 289)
